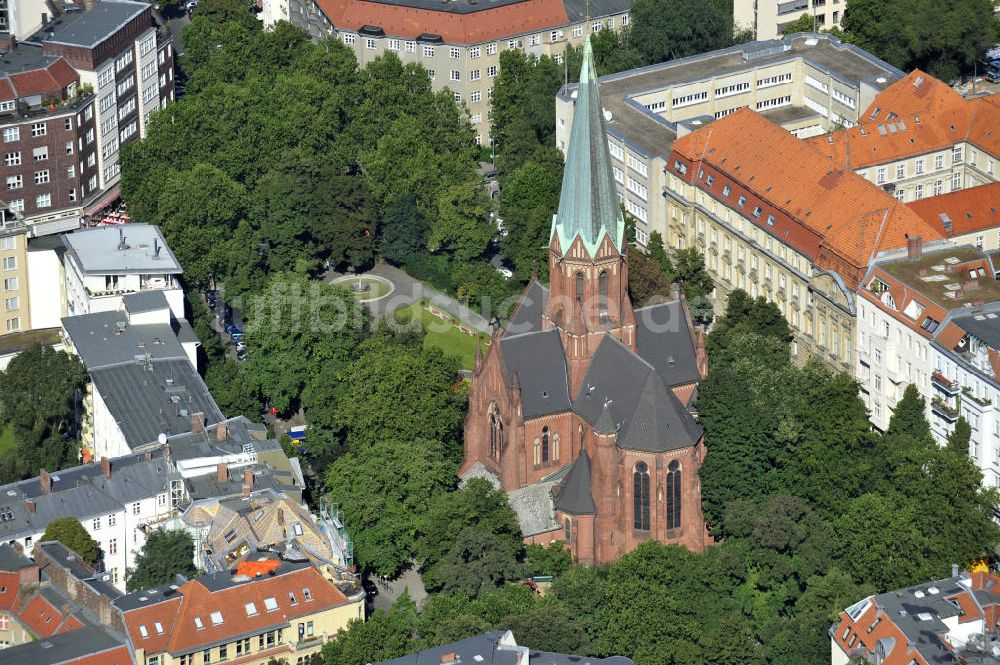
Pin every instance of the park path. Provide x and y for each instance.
(409, 290)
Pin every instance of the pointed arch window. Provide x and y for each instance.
(568, 528)
(496, 432)
(555, 447)
(545, 444)
(674, 495)
(579, 286)
(602, 285)
(537, 457)
(640, 495)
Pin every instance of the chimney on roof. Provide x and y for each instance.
(449, 658)
(45, 480)
(221, 432)
(954, 570)
(29, 505)
(248, 476)
(197, 422)
(221, 472)
(246, 490)
(914, 247)
(106, 467)
(149, 455)
(281, 516)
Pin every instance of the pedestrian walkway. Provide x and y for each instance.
(409, 290)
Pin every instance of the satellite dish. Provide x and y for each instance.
(162, 438)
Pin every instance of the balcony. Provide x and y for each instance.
(52, 106)
(943, 410)
(944, 384)
(968, 396)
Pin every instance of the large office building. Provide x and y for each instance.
(458, 42)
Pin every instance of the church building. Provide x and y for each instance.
(580, 409)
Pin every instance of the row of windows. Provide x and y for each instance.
(735, 89)
(687, 100)
(774, 80)
(638, 188)
(640, 497)
(11, 134)
(774, 103)
(725, 112)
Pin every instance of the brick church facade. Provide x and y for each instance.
(580, 409)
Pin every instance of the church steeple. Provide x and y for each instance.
(588, 202)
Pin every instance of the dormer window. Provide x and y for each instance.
(251, 609)
(216, 618)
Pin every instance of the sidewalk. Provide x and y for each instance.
(409, 290)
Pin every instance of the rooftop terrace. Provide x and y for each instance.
(944, 276)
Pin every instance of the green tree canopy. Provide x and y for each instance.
(958, 440)
(71, 533)
(908, 418)
(166, 554)
(38, 399)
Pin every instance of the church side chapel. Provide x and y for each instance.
(580, 409)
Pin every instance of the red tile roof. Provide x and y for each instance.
(915, 93)
(853, 219)
(117, 656)
(9, 587)
(939, 119)
(47, 80)
(870, 627)
(193, 600)
(970, 210)
(471, 28)
(41, 617)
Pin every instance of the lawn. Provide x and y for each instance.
(6, 439)
(442, 335)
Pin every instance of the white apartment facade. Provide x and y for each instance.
(768, 19)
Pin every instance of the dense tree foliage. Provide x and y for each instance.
(166, 554)
(69, 532)
(38, 399)
(284, 155)
(943, 39)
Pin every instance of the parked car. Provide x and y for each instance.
(370, 588)
(190, 5)
(506, 273)
(241, 354)
(233, 329)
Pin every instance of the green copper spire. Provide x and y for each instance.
(588, 202)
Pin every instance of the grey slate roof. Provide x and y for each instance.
(528, 315)
(100, 341)
(240, 432)
(649, 416)
(90, 28)
(98, 251)
(62, 648)
(11, 561)
(575, 496)
(144, 301)
(81, 492)
(540, 364)
(66, 558)
(985, 329)
(533, 504)
(154, 397)
(579, 10)
(664, 341)
(207, 486)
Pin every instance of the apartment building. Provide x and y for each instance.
(806, 84)
(13, 272)
(114, 500)
(796, 230)
(459, 42)
(966, 217)
(919, 139)
(104, 264)
(45, 116)
(769, 19)
(143, 377)
(118, 51)
(262, 610)
(951, 621)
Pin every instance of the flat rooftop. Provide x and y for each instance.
(654, 135)
(122, 249)
(90, 28)
(103, 339)
(24, 340)
(934, 274)
(24, 58)
(69, 646)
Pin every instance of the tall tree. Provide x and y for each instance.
(38, 398)
(166, 554)
(909, 417)
(71, 533)
(384, 489)
(958, 440)
(664, 30)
